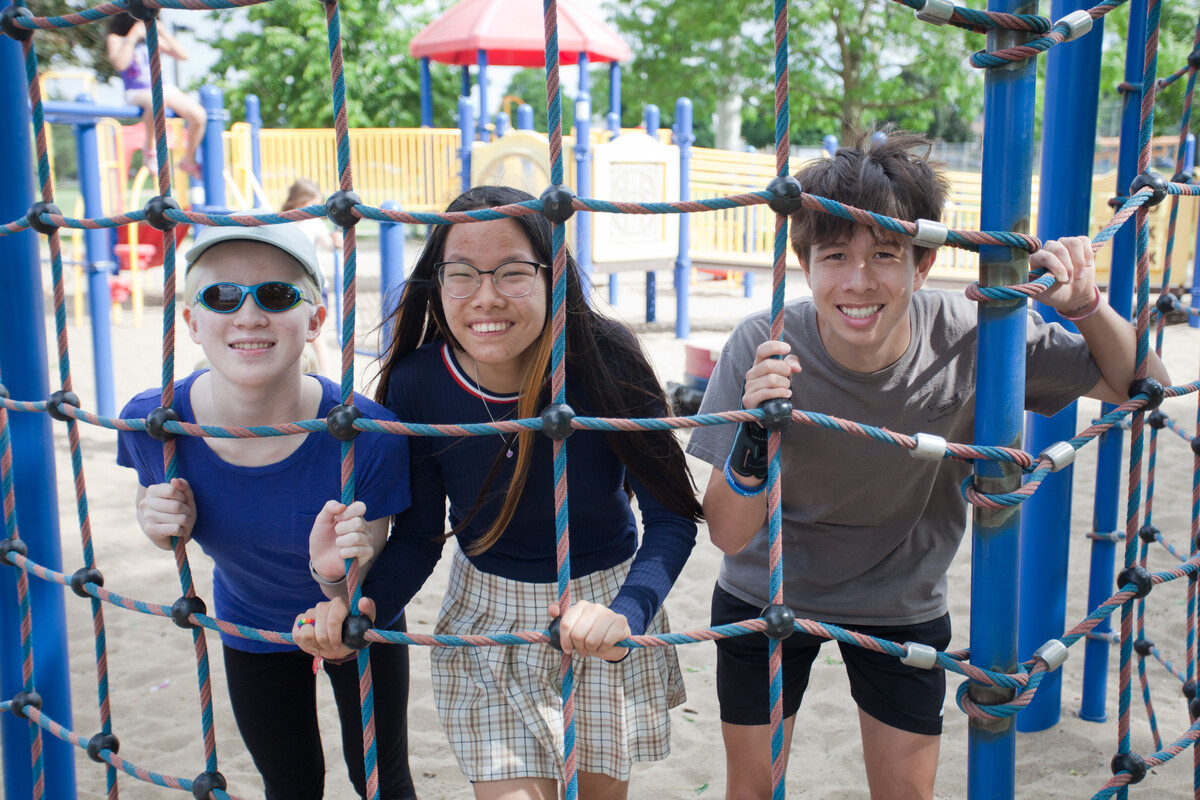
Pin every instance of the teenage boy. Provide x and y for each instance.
(868, 531)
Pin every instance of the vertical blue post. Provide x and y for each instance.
(683, 262)
(481, 59)
(650, 118)
(1189, 163)
(524, 117)
(1064, 209)
(1111, 456)
(502, 125)
(213, 164)
(100, 263)
(830, 145)
(583, 181)
(614, 90)
(391, 270)
(613, 123)
(751, 235)
(254, 120)
(1000, 403)
(23, 360)
(466, 82)
(426, 95)
(466, 127)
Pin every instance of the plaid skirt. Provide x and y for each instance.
(501, 707)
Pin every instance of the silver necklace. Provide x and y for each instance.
(507, 442)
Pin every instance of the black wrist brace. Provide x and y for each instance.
(748, 456)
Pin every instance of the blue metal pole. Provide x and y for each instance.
(391, 269)
(613, 123)
(650, 119)
(254, 120)
(466, 82)
(426, 95)
(100, 262)
(502, 124)
(213, 165)
(683, 262)
(524, 117)
(466, 127)
(1111, 456)
(481, 59)
(1000, 403)
(614, 90)
(583, 186)
(1189, 162)
(830, 145)
(23, 370)
(751, 235)
(1064, 209)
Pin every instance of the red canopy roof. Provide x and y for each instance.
(513, 34)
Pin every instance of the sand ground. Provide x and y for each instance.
(152, 672)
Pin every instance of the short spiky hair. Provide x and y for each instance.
(889, 175)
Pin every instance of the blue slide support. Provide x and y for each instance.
(650, 120)
(683, 262)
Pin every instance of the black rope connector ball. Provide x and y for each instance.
(1143, 647)
(24, 700)
(61, 398)
(205, 783)
(1155, 181)
(354, 631)
(785, 195)
(781, 622)
(554, 629)
(556, 421)
(340, 422)
(1141, 579)
(1189, 689)
(138, 10)
(102, 741)
(1132, 763)
(1149, 533)
(1194, 708)
(1195, 442)
(156, 212)
(556, 203)
(340, 209)
(34, 215)
(7, 18)
(184, 607)
(85, 575)
(12, 546)
(1194, 59)
(156, 422)
(1181, 177)
(1156, 419)
(1165, 303)
(1151, 388)
(777, 414)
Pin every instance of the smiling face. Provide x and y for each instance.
(495, 333)
(250, 346)
(862, 289)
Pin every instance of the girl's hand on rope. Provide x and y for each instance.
(318, 631)
(771, 375)
(1073, 263)
(590, 629)
(340, 532)
(165, 510)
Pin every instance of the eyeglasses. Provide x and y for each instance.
(511, 279)
(226, 298)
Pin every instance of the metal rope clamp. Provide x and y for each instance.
(930, 447)
(1060, 455)
(930, 233)
(1078, 23)
(935, 12)
(1054, 653)
(919, 655)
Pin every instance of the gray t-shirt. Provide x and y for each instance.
(869, 531)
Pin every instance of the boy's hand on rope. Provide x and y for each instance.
(165, 510)
(771, 375)
(340, 532)
(1073, 263)
(590, 629)
(318, 631)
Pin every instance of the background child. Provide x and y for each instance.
(301, 194)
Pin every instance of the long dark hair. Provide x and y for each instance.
(605, 356)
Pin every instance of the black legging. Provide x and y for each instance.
(274, 699)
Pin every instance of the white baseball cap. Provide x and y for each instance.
(288, 237)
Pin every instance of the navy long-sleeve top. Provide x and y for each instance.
(428, 386)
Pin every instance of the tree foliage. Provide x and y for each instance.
(284, 60)
(852, 63)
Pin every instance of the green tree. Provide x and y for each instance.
(530, 86)
(284, 60)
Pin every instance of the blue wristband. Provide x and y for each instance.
(744, 491)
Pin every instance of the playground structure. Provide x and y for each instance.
(1005, 476)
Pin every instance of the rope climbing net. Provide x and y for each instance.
(784, 196)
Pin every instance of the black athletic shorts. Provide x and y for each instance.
(908, 698)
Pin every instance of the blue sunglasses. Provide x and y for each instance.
(226, 298)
